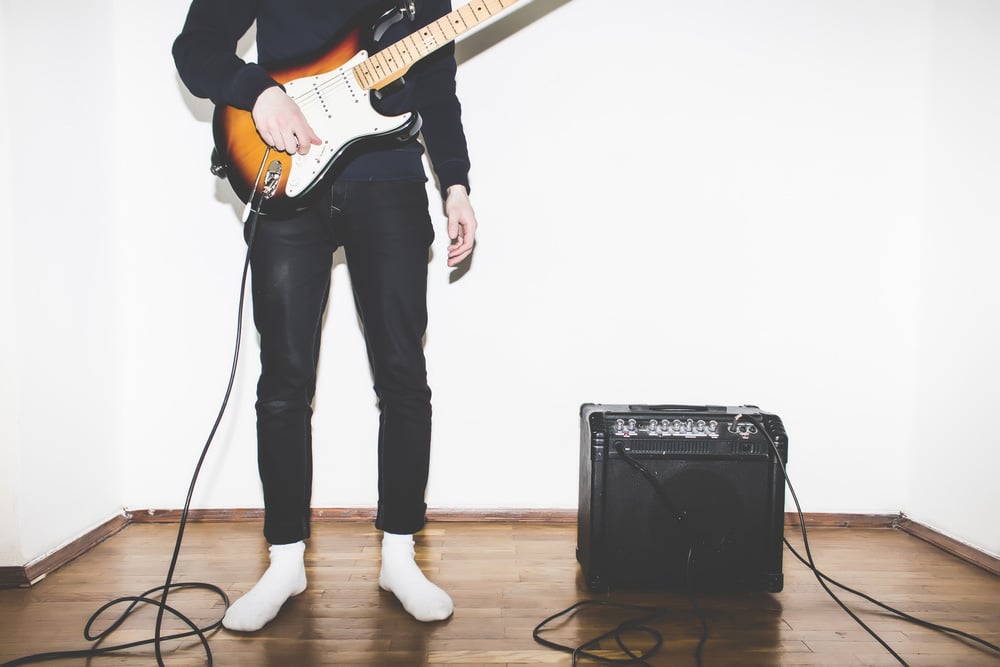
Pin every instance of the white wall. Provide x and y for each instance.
(712, 202)
(10, 533)
(61, 272)
(695, 202)
(952, 471)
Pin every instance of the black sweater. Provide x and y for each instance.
(290, 30)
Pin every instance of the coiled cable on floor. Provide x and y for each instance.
(158, 596)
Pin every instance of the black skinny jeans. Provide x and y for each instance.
(386, 231)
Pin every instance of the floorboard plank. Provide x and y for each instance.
(505, 578)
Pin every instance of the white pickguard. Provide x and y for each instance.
(340, 113)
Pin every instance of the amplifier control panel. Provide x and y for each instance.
(678, 428)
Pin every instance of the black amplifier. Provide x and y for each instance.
(681, 497)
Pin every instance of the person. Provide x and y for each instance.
(376, 207)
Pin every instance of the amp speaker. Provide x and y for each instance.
(681, 497)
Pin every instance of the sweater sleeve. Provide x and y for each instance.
(442, 129)
(205, 54)
(434, 96)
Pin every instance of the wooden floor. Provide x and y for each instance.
(505, 578)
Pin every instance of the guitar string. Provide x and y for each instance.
(402, 50)
(335, 81)
(431, 43)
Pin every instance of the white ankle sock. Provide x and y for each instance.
(284, 578)
(401, 577)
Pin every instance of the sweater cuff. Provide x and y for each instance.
(250, 81)
(453, 174)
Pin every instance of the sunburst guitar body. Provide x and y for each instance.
(339, 110)
(335, 94)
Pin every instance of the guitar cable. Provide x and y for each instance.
(149, 597)
(639, 624)
(632, 625)
(822, 578)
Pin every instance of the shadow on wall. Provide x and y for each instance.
(469, 47)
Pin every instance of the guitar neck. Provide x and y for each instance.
(393, 61)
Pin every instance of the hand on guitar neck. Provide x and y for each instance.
(281, 124)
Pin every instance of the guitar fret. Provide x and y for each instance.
(430, 40)
(385, 63)
(492, 7)
(382, 66)
(456, 23)
(443, 25)
(389, 63)
(477, 8)
(402, 53)
(410, 49)
(467, 16)
(366, 78)
(415, 46)
(373, 67)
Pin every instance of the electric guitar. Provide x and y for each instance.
(335, 92)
